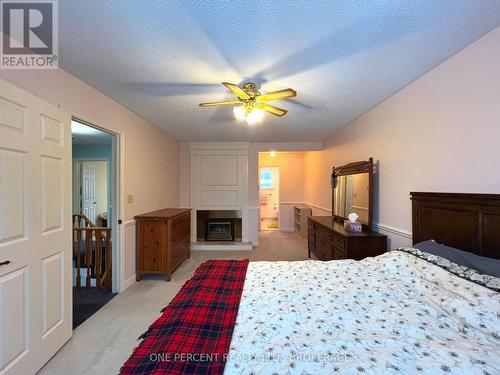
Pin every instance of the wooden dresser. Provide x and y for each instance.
(328, 240)
(163, 241)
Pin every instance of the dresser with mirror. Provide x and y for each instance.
(352, 192)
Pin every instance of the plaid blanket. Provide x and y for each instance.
(193, 334)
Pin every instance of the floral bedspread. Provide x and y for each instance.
(393, 314)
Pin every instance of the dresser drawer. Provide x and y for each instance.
(329, 240)
(334, 238)
(338, 241)
(325, 232)
(323, 248)
(338, 253)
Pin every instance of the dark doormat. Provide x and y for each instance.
(86, 302)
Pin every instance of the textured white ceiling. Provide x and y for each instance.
(161, 58)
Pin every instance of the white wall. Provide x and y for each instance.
(441, 133)
(151, 170)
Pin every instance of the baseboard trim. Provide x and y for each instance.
(129, 282)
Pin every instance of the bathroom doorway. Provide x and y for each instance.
(269, 197)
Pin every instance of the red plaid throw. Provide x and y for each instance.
(193, 334)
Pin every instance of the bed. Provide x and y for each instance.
(404, 312)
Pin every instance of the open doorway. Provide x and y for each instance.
(94, 230)
(269, 197)
(269, 192)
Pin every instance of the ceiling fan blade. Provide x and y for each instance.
(277, 95)
(234, 88)
(216, 104)
(272, 109)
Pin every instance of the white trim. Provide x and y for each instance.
(318, 207)
(129, 282)
(253, 230)
(396, 237)
(129, 223)
(288, 146)
(308, 205)
(393, 230)
(120, 178)
(219, 146)
(230, 246)
(118, 169)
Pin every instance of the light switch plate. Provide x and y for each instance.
(130, 198)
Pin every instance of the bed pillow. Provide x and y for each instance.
(481, 264)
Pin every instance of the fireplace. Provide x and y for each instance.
(218, 229)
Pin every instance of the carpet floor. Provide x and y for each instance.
(86, 302)
(102, 343)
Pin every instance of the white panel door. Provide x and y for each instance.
(88, 190)
(35, 230)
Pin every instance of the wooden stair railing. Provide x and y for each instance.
(96, 242)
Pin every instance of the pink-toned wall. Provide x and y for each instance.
(151, 166)
(441, 133)
(291, 165)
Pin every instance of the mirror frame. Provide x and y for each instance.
(357, 167)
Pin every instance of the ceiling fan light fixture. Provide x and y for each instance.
(251, 104)
(255, 116)
(240, 112)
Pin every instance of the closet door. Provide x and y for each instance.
(35, 230)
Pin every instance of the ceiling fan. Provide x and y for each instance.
(251, 104)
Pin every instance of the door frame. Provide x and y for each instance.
(118, 168)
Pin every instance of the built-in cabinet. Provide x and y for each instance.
(300, 214)
(219, 180)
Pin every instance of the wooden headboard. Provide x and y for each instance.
(469, 222)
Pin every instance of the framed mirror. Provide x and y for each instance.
(352, 191)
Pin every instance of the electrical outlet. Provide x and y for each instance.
(130, 198)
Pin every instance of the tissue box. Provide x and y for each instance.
(353, 227)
